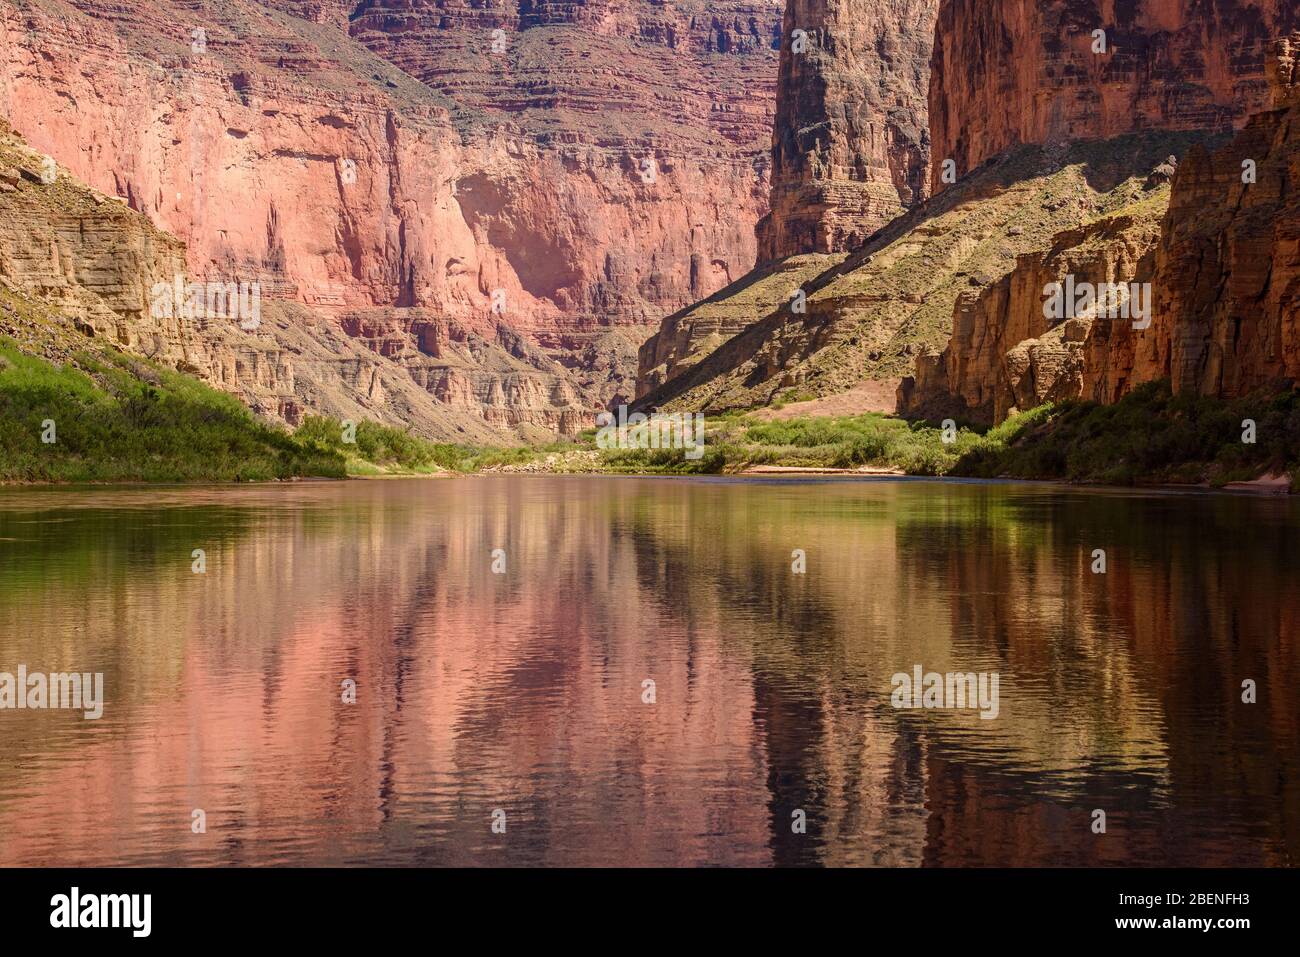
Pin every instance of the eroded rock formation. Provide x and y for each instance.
(850, 148)
(850, 143)
(1006, 353)
(603, 168)
(1007, 72)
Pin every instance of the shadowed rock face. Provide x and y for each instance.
(1224, 266)
(850, 150)
(850, 144)
(1222, 263)
(1227, 283)
(1007, 72)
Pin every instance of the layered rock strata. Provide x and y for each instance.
(850, 142)
(1011, 72)
(604, 167)
(1007, 352)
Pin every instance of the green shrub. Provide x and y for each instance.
(118, 418)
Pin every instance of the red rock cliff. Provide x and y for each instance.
(521, 170)
(1007, 72)
(850, 143)
(639, 163)
(605, 167)
(1227, 283)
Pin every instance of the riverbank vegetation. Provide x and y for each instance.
(1150, 437)
(114, 418)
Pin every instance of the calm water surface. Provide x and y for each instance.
(523, 691)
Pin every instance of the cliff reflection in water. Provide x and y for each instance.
(523, 691)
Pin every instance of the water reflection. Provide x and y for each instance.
(523, 691)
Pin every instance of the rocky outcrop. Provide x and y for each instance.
(1007, 72)
(1227, 281)
(850, 148)
(850, 142)
(604, 169)
(869, 315)
(85, 256)
(1006, 354)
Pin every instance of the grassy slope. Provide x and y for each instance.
(123, 419)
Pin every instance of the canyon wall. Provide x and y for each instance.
(86, 258)
(80, 271)
(850, 141)
(1227, 279)
(954, 290)
(597, 174)
(1218, 248)
(1007, 72)
(604, 168)
(634, 162)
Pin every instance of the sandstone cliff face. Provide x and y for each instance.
(603, 170)
(87, 257)
(850, 142)
(79, 268)
(334, 12)
(1007, 72)
(1227, 282)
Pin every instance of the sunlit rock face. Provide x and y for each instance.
(574, 177)
(1007, 354)
(850, 145)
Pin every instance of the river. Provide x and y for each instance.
(660, 671)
